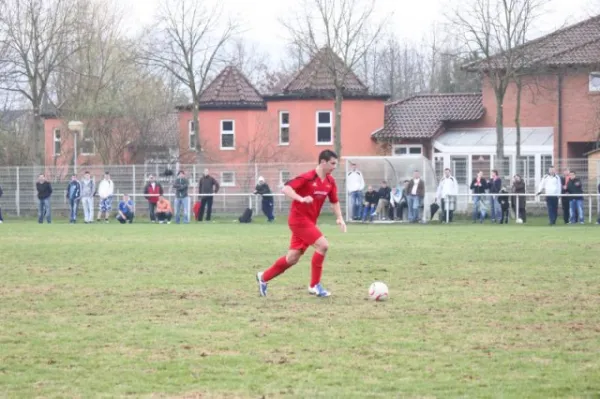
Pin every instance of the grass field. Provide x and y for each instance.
(173, 311)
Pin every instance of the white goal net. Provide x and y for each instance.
(394, 171)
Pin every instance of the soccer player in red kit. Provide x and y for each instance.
(308, 192)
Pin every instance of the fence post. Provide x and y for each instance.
(18, 194)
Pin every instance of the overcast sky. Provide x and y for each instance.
(411, 19)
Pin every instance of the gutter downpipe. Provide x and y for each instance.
(560, 116)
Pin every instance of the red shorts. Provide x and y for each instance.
(303, 236)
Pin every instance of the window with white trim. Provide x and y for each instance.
(227, 179)
(193, 142)
(284, 176)
(324, 128)
(284, 128)
(87, 143)
(594, 84)
(545, 164)
(401, 150)
(56, 136)
(227, 135)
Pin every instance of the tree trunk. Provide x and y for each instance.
(338, 122)
(196, 127)
(518, 115)
(500, 134)
(38, 135)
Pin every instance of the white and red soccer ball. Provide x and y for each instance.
(378, 291)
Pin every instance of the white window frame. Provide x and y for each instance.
(283, 126)
(408, 147)
(223, 183)
(232, 132)
(191, 134)
(83, 141)
(592, 88)
(318, 125)
(281, 179)
(54, 141)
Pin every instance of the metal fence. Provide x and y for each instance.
(237, 183)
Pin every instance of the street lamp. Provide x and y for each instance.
(76, 127)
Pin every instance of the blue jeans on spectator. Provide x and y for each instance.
(44, 210)
(128, 218)
(267, 208)
(356, 199)
(495, 210)
(552, 204)
(576, 210)
(74, 205)
(414, 204)
(476, 206)
(368, 211)
(185, 204)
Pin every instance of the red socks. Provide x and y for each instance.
(316, 268)
(278, 267)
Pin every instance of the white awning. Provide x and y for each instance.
(534, 140)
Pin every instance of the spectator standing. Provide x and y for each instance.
(88, 188)
(370, 202)
(152, 191)
(73, 194)
(164, 212)
(383, 202)
(447, 192)
(181, 197)
(504, 205)
(416, 194)
(44, 191)
(478, 185)
(565, 201)
(355, 184)
(398, 201)
(1, 220)
(552, 187)
(263, 189)
(106, 190)
(125, 213)
(207, 186)
(494, 186)
(598, 220)
(518, 202)
(575, 187)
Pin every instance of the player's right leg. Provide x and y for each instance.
(280, 266)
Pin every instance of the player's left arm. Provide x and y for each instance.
(337, 209)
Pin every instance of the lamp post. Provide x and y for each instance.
(76, 127)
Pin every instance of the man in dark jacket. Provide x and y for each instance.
(370, 203)
(574, 186)
(478, 185)
(263, 189)
(181, 197)
(565, 201)
(73, 194)
(416, 195)
(152, 191)
(44, 191)
(207, 186)
(384, 194)
(495, 185)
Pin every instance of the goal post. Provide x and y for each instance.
(394, 170)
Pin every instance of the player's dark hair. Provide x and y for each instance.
(327, 155)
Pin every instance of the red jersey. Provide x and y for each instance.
(310, 184)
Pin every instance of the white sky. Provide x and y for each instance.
(411, 20)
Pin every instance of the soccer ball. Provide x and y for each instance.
(378, 291)
(519, 221)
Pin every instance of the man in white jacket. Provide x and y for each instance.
(447, 192)
(106, 190)
(551, 185)
(355, 185)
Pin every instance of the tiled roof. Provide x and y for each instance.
(317, 77)
(574, 45)
(231, 89)
(422, 116)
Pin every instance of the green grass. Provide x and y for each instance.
(173, 311)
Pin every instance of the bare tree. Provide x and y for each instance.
(37, 38)
(249, 59)
(347, 28)
(496, 29)
(188, 41)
